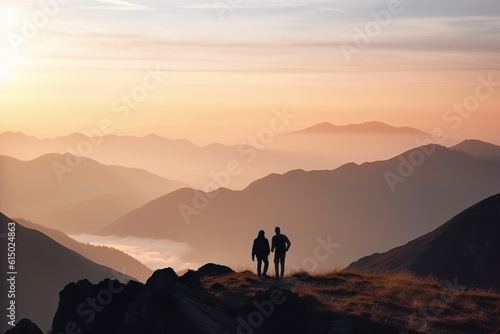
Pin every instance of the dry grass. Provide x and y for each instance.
(423, 305)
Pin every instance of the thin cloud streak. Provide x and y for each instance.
(123, 4)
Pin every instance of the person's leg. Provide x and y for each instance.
(276, 265)
(283, 265)
(259, 266)
(266, 265)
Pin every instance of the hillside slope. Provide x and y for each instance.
(103, 255)
(43, 268)
(466, 247)
(353, 209)
(46, 187)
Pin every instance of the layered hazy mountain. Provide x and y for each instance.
(44, 267)
(390, 198)
(352, 143)
(332, 217)
(75, 194)
(172, 159)
(159, 201)
(478, 148)
(104, 178)
(466, 248)
(323, 146)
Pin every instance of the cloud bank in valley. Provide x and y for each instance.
(154, 253)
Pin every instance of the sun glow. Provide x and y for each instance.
(8, 56)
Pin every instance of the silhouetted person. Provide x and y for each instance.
(261, 250)
(280, 245)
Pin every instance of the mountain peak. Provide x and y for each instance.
(366, 127)
(477, 147)
(18, 135)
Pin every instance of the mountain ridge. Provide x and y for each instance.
(478, 148)
(34, 189)
(171, 159)
(465, 247)
(368, 127)
(38, 258)
(106, 256)
(327, 201)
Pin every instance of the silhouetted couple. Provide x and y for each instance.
(280, 245)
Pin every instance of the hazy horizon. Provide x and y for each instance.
(212, 71)
(213, 138)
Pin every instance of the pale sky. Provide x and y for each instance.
(221, 67)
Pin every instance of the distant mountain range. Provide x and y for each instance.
(466, 248)
(364, 128)
(81, 195)
(43, 268)
(360, 209)
(357, 143)
(82, 198)
(172, 159)
(94, 195)
(322, 146)
(478, 148)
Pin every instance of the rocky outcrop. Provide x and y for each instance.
(211, 269)
(94, 308)
(24, 326)
(199, 302)
(165, 304)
